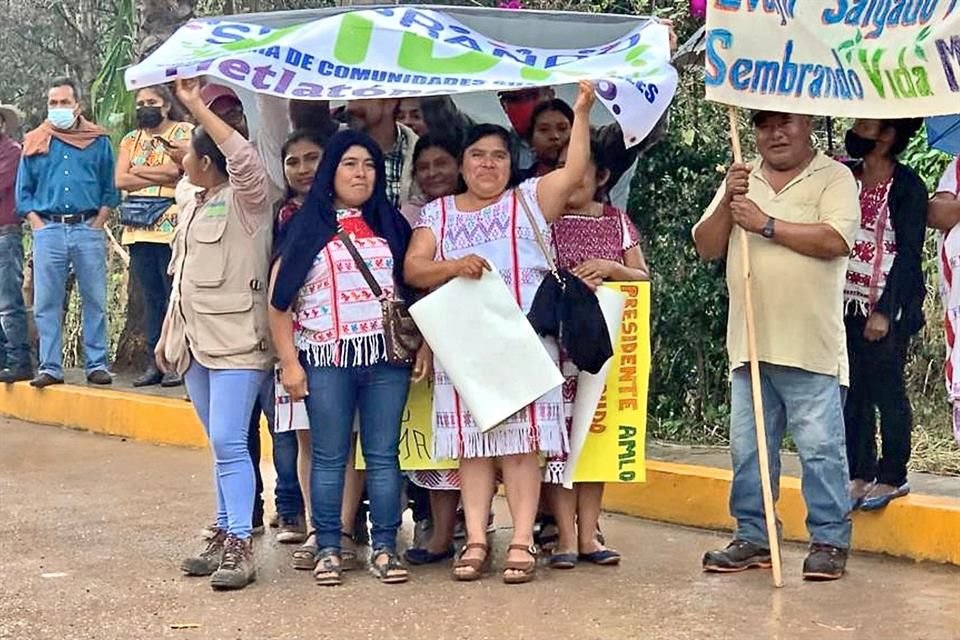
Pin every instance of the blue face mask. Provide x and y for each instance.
(61, 117)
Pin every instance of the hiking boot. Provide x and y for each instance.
(236, 568)
(739, 555)
(208, 560)
(292, 530)
(824, 563)
(9, 376)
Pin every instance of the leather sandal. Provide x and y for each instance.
(390, 572)
(305, 556)
(328, 572)
(527, 568)
(477, 567)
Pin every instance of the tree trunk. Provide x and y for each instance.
(156, 21)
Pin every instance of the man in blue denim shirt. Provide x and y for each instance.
(65, 189)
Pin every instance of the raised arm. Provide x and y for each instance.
(555, 188)
(244, 168)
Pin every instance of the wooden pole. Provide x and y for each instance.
(765, 486)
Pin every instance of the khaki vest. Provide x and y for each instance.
(218, 305)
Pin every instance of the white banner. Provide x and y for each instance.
(852, 58)
(406, 52)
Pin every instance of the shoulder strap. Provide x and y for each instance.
(536, 229)
(361, 265)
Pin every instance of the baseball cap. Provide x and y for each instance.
(213, 92)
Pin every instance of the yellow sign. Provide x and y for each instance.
(614, 450)
(416, 434)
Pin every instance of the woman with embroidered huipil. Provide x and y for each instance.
(485, 227)
(337, 357)
(883, 308)
(215, 332)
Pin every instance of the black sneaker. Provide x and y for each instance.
(100, 377)
(208, 560)
(45, 380)
(739, 555)
(152, 376)
(236, 569)
(824, 563)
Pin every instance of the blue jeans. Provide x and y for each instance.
(148, 263)
(55, 248)
(809, 406)
(379, 393)
(223, 400)
(14, 349)
(289, 498)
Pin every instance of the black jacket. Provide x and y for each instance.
(902, 298)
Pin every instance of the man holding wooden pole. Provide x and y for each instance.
(800, 212)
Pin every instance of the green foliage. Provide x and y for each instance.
(111, 103)
(675, 182)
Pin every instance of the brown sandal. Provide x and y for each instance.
(476, 566)
(528, 568)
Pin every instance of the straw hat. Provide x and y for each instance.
(11, 115)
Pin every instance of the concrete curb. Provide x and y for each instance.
(922, 527)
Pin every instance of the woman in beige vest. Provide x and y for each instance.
(215, 333)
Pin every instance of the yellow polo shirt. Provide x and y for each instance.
(797, 300)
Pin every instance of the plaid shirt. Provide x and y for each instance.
(394, 165)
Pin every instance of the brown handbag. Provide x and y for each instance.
(400, 332)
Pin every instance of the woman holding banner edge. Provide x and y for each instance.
(482, 228)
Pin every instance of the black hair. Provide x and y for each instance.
(203, 145)
(904, 129)
(430, 140)
(68, 82)
(598, 158)
(300, 135)
(477, 133)
(176, 113)
(315, 223)
(555, 104)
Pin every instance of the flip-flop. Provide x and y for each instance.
(418, 556)
(563, 561)
(604, 557)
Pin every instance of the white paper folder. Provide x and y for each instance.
(486, 346)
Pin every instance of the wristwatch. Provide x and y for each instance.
(768, 229)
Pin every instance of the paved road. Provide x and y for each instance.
(92, 529)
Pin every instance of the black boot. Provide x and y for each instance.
(148, 378)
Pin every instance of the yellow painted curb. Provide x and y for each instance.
(921, 527)
(115, 413)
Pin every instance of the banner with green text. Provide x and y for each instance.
(405, 52)
(853, 58)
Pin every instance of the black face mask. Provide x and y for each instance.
(149, 117)
(857, 146)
